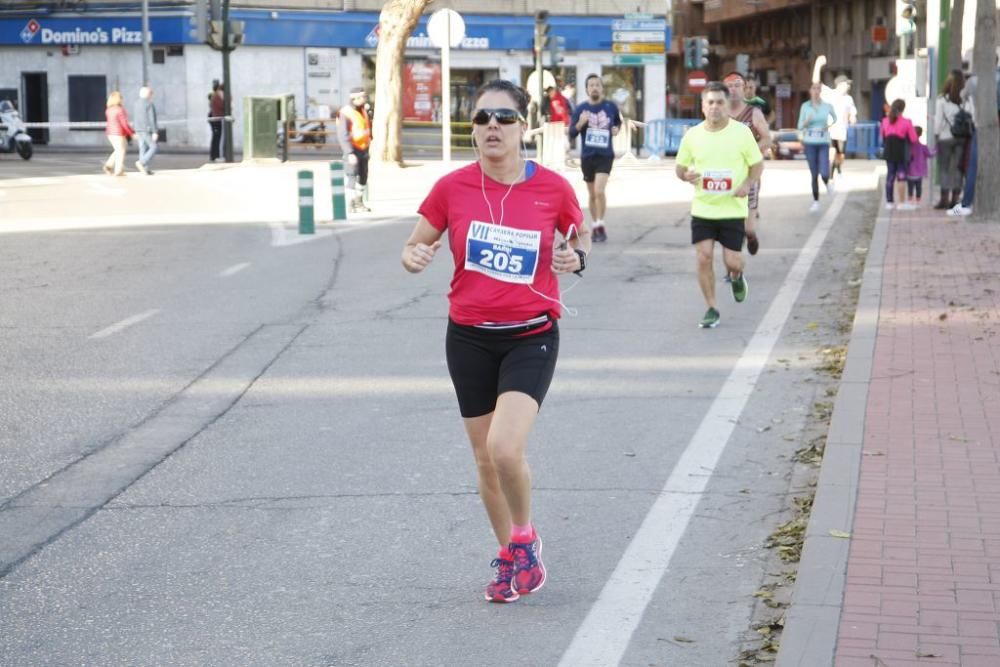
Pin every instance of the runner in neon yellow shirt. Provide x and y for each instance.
(721, 159)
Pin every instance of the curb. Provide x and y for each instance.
(812, 623)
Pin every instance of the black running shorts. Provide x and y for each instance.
(596, 164)
(484, 364)
(728, 232)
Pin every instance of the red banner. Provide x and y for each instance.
(422, 92)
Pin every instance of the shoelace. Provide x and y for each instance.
(505, 569)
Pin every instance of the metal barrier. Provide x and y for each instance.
(864, 138)
(663, 136)
(425, 136)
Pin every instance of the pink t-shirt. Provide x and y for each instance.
(498, 262)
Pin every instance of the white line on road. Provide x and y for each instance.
(233, 270)
(603, 637)
(124, 324)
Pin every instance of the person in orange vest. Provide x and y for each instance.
(354, 131)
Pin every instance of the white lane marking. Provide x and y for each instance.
(124, 324)
(603, 637)
(233, 270)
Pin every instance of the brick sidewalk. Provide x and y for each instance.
(923, 575)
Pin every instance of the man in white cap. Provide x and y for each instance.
(354, 132)
(839, 97)
(847, 114)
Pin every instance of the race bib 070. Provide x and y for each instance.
(718, 181)
(596, 138)
(502, 253)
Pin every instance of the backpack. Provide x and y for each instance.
(961, 125)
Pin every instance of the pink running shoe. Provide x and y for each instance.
(500, 589)
(529, 572)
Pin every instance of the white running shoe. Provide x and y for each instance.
(889, 206)
(830, 187)
(959, 211)
(813, 207)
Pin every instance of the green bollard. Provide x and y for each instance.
(337, 186)
(306, 217)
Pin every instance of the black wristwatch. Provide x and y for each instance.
(583, 260)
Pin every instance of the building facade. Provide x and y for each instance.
(62, 59)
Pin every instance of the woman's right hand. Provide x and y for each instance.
(418, 256)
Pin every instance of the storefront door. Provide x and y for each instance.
(35, 88)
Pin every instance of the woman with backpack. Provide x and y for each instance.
(953, 125)
(898, 136)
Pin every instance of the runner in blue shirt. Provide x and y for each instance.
(598, 121)
(815, 119)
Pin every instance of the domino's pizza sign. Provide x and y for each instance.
(29, 31)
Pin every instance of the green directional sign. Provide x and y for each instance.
(637, 59)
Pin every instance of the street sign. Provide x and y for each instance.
(783, 90)
(697, 80)
(639, 36)
(638, 47)
(637, 59)
(880, 34)
(620, 24)
(639, 39)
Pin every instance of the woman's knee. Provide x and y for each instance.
(506, 456)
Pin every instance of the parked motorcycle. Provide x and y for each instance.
(14, 137)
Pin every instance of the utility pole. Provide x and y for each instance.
(227, 94)
(541, 41)
(145, 43)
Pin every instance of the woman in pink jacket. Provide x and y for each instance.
(118, 131)
(897, 137)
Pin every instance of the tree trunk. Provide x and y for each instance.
(955, 46)
(396, 22)
(986, 207)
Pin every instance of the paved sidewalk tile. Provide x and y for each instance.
(923, 575)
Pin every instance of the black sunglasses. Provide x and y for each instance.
(503, 116)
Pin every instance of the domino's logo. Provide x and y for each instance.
(29, 31)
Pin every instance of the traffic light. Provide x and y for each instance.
(215, 34)
(690, 53)
(701, 48)
(542, 29)
(236, 29)
(557, 46)
(695, 52)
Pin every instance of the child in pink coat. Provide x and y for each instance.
(916, 170)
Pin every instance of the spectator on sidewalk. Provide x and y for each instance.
(558, 106)
(964, 207)
(147, 130)
(950, 139)
(916, 171)
(898, 136)
(216, 110)
(119, 132)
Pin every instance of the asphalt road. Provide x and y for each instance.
(216, 450)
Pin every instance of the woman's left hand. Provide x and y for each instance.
(565, 260)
